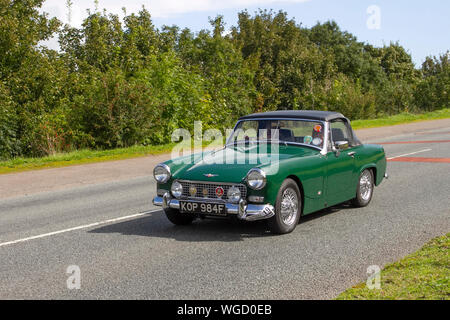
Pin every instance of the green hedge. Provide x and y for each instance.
(118, 83)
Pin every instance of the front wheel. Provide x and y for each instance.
(178, 218)
(364, 190)
(287, 208)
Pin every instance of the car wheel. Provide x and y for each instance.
(287, 208)
(365, 188)
(178, 218)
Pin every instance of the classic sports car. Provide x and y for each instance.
(277, 166)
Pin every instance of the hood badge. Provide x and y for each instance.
(193, 191)
(219, 192)
(210, 175)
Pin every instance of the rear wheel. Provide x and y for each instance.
(178, 218)
(364, 190)
(287, 209)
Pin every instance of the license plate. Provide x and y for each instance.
(204, 208)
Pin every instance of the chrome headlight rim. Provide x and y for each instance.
(168, 173)
(234, 198)
(179, 191)
(262, 177)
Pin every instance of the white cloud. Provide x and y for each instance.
(157, 8)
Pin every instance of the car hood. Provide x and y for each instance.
(232, 164)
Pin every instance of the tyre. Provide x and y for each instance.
(180, 219)
(364, 190)
(287, 208)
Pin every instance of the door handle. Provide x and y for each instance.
(352, 154)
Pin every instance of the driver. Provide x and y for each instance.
(267, 126)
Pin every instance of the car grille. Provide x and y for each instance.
(210, 189)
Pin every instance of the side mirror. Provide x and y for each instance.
(341, 145)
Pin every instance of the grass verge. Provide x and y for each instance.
(80, 157)
(92, 156)
(401, 118)
(423, 275)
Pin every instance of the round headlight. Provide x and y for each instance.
(161, 173)
(176, 189)
(256, 179)
(234, 194)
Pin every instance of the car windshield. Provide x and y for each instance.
(284, 131)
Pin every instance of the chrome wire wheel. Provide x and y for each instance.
(289, 206)
(365, 185)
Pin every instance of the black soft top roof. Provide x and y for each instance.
(296, 114)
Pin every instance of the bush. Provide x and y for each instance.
(9, 144)
(123, 83)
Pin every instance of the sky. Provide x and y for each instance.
(422, 27)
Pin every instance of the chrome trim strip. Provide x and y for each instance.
(232, 208)
(212, 182)
(326, 138)
(174, 204)
(259, 212)
(165, 201)
(157, 201)
(203, 199)
(278, 142)
(241, 209)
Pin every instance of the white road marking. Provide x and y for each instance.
(408, 154)
(77, 228)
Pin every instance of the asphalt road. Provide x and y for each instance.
(126, 249)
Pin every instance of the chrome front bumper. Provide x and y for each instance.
(244, 211)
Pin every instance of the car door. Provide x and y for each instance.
(340, 165)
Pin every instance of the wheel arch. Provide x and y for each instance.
(300, 186)
(372, 167)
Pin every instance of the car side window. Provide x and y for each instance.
(340, 131)
(247, 130)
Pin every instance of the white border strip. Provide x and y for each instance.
(409, 154)
(77, 228)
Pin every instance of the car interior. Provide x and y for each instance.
(338, 135)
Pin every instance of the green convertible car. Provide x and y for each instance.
(277, 166)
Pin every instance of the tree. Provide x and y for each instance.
(433, 92)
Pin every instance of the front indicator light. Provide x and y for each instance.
(176, 189)
(234, 194)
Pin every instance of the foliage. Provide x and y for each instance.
(117, 83)
(8, 124)
(433, 92)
